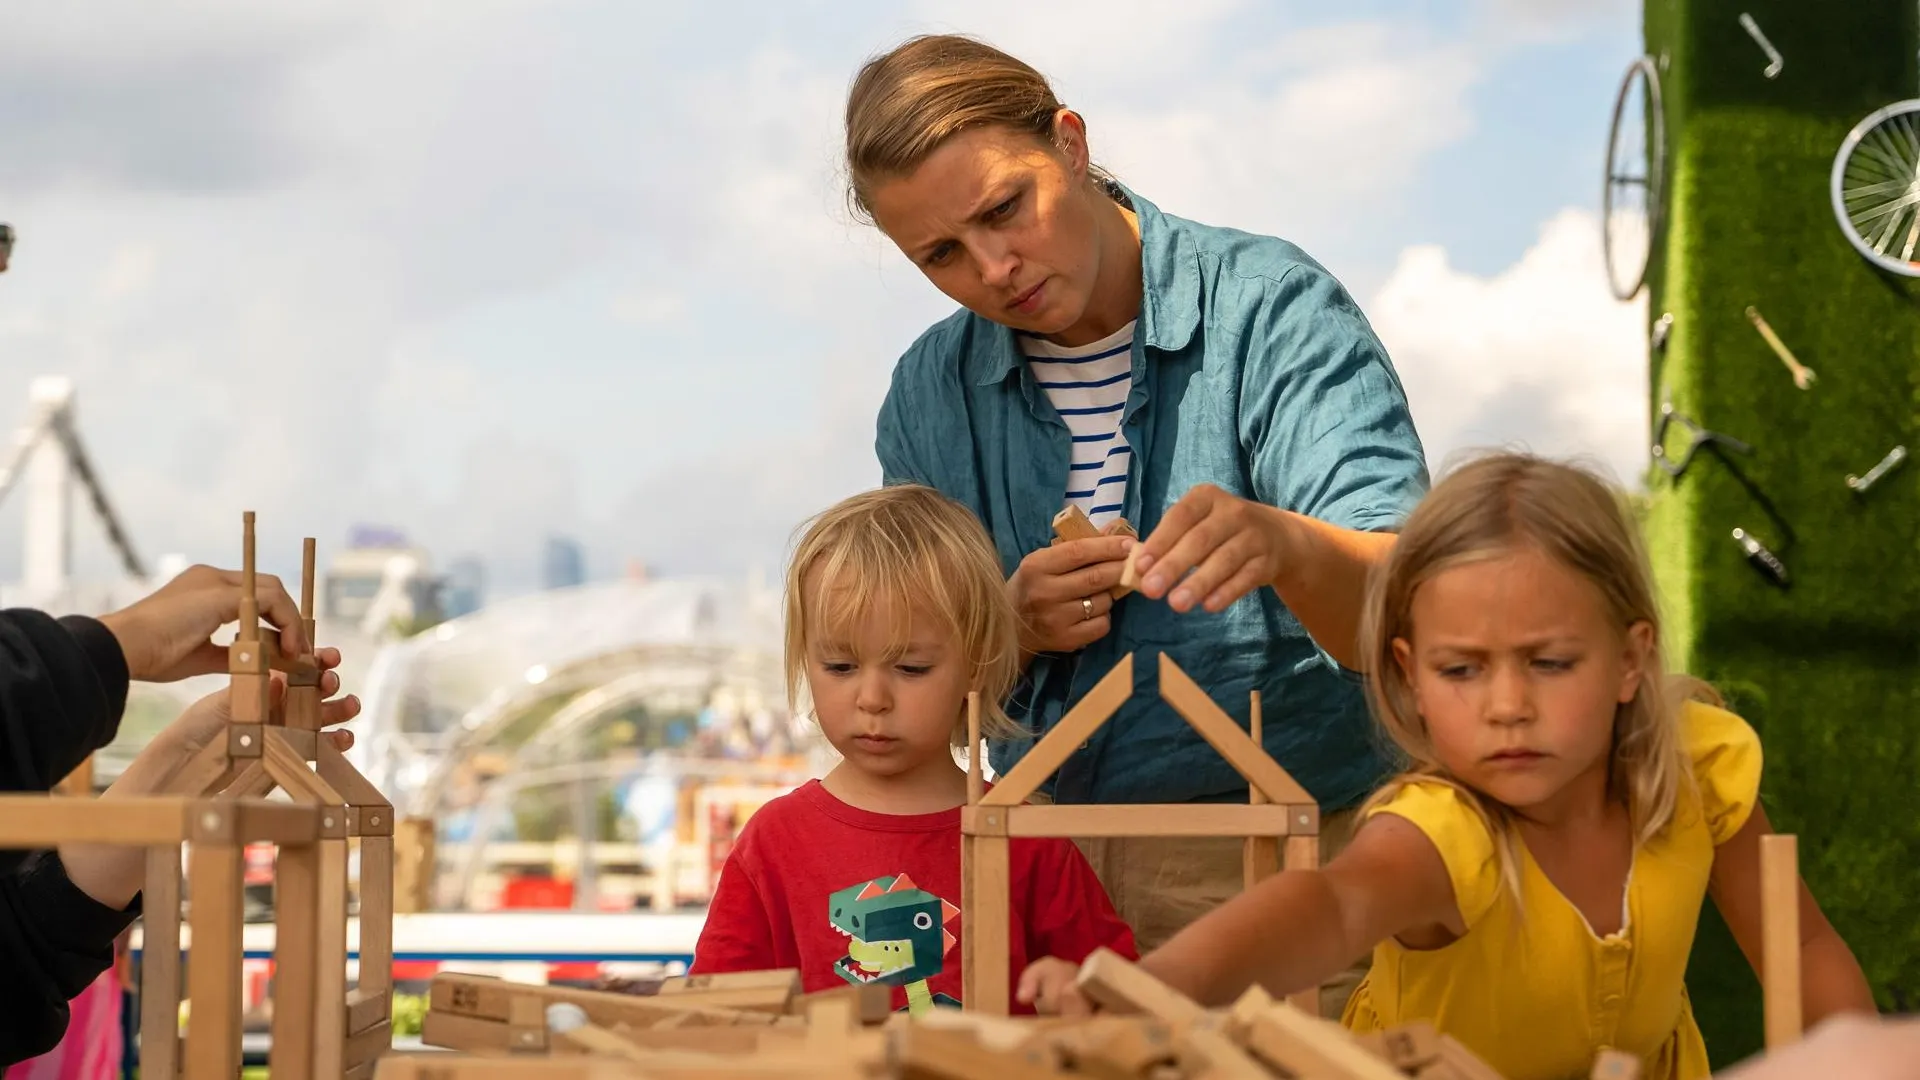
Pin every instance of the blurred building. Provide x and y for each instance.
(564, 564)
(463, 590)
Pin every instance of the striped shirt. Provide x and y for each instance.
(1088, 385)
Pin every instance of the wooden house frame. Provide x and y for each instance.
(1280, 812)
(320, 1030)
(216, 831)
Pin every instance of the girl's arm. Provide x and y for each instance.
(1830, 978)
(1300, 927)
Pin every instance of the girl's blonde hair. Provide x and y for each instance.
(892, 551)
(1493, 506)
(908, 101)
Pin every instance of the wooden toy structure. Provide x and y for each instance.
(1280, 812)
(320, 1029)
(758, 1024)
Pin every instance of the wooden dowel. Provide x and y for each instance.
(249, 602)
(1780, 937)
(976, 775)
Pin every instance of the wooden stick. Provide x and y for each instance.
(1150, 819)
(1303, 853)
(296, 909)
(1052, 751)
(1219, 730)
(1260, 855)
(976, 770)
(213, 967)
(986, 958)
(160, 965)
(1780, 937)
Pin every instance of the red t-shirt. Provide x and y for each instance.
(828, 888)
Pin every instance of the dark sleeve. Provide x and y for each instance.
(54, 941)
(63, 688)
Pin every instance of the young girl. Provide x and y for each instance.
(1532, 884)
(896, 609)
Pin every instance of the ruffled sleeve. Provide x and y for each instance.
(1463, 840)
(1725, 752)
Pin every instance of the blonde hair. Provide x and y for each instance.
(906, 102)
(1490, 507)
(891, 551)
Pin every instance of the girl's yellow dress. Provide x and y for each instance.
(1538, 997)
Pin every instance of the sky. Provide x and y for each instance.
(489, 270)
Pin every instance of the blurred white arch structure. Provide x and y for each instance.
(431, 701)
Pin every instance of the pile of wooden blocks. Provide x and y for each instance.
(759, 1024)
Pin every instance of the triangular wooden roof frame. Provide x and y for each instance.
(992, 818)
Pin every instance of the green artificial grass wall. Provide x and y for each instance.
(1828, 669)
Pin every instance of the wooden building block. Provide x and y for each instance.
(1109, 980)
(931, 1052)
(1780, 938)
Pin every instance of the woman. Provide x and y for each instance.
(1217, 390)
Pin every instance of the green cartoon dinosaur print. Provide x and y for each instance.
(897, 935)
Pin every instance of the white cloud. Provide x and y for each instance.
(1539, 355)
(280, 247)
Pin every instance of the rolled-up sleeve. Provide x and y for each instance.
(1324, 418)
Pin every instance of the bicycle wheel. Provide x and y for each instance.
(1630, 204)
(1876, 188)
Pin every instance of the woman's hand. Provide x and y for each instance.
(1211, 549)
(1062, 593)
(1051, 986)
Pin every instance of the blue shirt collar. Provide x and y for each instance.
(1170, 305)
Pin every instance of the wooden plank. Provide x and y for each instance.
(376, 914)
(278, 823)
(787, 979)
(368, 1045)
(355, 789)
(1780, 938)
(489, 999)
(330, 964)
(296, 912)
(1303, 853)
(213, 969)
(251, 782)
(160, 965)
(455, 1032)
(1110, 981)
(1304, 1045)
(1218, 729)
(201, 774)
(986, 957)
(931, 1052)
(31, 822)
(1053, 749)
(1218, 1057)
(1259, 855)
(1149, 819)
(872, 1003)
(440, 1066)
(366, 1008)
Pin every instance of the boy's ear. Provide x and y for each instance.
(1638, 647)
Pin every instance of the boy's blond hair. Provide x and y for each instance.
(888, 552)
(1490, 507)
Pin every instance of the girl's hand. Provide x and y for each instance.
(1061, 593)
(1051, 986)
(1231, 545)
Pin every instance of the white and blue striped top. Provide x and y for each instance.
(1088, 385)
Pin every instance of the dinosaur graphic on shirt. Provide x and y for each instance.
(897, 935)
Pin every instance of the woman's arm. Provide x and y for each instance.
(1830, 978)
(1300, 927)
